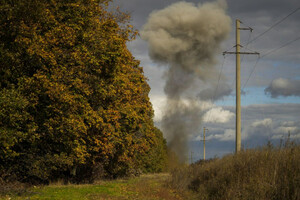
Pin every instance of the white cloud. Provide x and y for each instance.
(159, 103)
(206, 105)
(283, 129)
(218, 115)
(269, 129)
(265, 122)
(228, 135)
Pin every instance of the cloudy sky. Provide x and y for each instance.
(271, 82)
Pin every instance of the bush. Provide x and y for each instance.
(264, 173)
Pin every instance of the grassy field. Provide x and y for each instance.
(145, 187)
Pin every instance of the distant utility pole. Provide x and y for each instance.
(192, 157)
(238, 83)
(204, 129)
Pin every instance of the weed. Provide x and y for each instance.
(264, 173)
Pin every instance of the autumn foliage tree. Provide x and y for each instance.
(73, 100)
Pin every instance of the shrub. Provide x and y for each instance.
(263, 173)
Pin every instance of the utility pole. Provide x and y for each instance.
(204, 129)
(192, 157)
(238, 90)
(238, 83)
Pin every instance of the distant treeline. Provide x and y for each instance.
(74, 102)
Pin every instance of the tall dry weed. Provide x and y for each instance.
(264, 173)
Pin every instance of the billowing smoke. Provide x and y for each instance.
(186, 37)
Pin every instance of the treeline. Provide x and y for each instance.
(74, 102)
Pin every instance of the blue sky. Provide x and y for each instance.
(256, 95)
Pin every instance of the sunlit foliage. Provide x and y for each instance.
(74, 101)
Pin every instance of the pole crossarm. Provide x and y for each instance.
(230, 52)
(249, 28)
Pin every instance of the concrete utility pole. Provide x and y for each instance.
(238, 83)
(204, 129)
(238, 90)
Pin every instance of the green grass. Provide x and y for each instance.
(146, 187)
(78, 192)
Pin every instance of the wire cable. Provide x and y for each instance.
(257, 60)
(250, 34)
(286, 44)
(219, 79)
(209, 114)
(243, 56)
(261, 34)
(268, 53)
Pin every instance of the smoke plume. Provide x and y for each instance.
(185, 37)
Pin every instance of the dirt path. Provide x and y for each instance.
(147, 187)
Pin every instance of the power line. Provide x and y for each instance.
(230, 48)
(251, 73)
(272, 51)
(218, 82)
(247, 27)
(268, 53)
(286, 44)
(250, 34)
(219, 79)
(249, 37)
(275, 25)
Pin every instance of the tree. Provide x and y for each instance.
(79, 97)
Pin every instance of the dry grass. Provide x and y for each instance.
(265, 173)
(152, 187)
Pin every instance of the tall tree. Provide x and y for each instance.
(73, 98)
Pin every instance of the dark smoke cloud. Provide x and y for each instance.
(283, 87)
(185, 37)
(181, 120)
